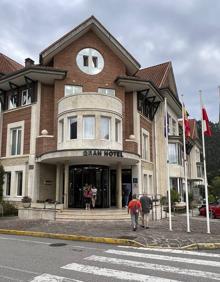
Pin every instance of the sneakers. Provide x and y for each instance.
(142, 226)
(134, 228)
(147, 227)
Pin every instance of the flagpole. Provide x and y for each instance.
(168, 171)
(185, 170)
(204, 164)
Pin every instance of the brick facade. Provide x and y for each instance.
(22, 114)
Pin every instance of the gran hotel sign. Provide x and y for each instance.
(103, 153)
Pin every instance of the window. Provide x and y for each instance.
(72, 127)
(8, 183)
(19, 175)
(61, 126)
(88, 127)
(105, 128)
(106, 91)
(72, 89)
(145, 145)
(15, 136)
(175, 153)
(25, 98)
(13, 101)
(85, 61)
(94, 62)
(174, 131)
(117, 130)
(90, 61)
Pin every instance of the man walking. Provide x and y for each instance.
(134, 207)
(146, 204)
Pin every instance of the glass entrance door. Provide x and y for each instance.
(97, 176)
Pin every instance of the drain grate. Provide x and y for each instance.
(57, 245)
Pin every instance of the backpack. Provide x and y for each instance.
(135, 208)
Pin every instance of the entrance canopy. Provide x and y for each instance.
(89, 156)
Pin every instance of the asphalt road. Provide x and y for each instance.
(39, 259)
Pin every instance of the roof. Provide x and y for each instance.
(161, 75)
(7, 65)
(91, 24)
(156, 74)
(35, 73)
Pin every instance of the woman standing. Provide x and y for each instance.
(94, 196)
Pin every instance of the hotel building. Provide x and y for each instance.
(87, 113)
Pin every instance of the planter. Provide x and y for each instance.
(26, 205)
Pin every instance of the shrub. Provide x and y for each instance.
(9, 209)
(175, 196)
(26, 199)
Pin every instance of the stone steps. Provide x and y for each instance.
(92, 215)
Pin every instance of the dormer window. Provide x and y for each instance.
(90, 61)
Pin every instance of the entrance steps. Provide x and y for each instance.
(92, 215)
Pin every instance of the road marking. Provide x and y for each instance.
(11, 278)
(161, 257)
(30, 241)
(53, 278)
(155, 267)
(18, 269)
(113, 273)
(171, 251)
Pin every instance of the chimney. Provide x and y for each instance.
(29, 62)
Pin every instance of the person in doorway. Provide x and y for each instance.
(94, 196)
(87, 194)
(134, 207)
(126, 193)
(146, 204)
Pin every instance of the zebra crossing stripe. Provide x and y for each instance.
(171, 251)
(53, 278)
(118, 274)
(155, 267)
(162, 257)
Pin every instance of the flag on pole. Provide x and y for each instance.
(186, 122)
(206, 126)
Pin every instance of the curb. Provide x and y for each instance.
(104, 240)
(202, 246)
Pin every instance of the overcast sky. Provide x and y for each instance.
(186, 32)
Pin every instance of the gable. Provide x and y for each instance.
(90, 24)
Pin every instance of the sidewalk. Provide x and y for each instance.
(157, 235)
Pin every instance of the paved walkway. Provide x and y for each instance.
(158, 234)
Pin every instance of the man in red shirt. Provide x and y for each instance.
(134, 207)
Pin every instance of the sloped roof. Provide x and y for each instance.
(91, 24)
(7, 65)
(161, 75)
(155, 74)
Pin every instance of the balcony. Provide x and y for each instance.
(89, 101)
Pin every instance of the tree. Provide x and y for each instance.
(216, 186)
(2, 172)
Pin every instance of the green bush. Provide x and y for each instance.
(175, 196)
(2, 172)
(211, 198)
(9, 209)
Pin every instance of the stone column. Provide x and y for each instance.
(66, 186)
(58, 182)
(118, 187)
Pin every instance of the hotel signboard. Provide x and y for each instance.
(103, 153)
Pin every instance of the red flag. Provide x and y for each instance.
(205, 119)
(186, 123)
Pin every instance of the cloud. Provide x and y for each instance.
(185, 32)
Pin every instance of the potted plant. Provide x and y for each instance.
(26, 202)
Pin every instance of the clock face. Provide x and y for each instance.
(90, 61)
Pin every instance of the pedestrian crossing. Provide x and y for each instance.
(124, 263)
